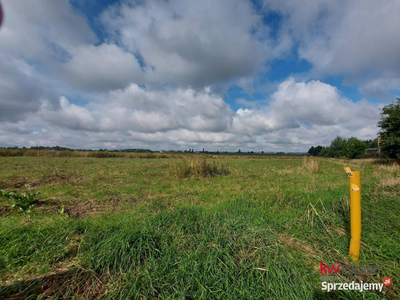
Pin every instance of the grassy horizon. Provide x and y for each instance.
(120, 228)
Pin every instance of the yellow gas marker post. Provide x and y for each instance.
(355, 212)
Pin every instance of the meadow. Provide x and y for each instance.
(151, 227)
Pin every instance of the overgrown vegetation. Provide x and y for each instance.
(311, 164)
(130, 230)
(199, 168)
(390, 129)
(24, 202)
(341, 147)
(354, 148)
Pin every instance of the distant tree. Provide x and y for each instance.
(326, 152)
(239, 151)
(390, 129)
(338, 147)
(371, 143)
(311, 150)
(354, 147)
(318, 150)
(314, 151)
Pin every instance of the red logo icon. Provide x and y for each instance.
(327, 269)
(387, 281)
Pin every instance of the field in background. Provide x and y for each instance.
(125, 227)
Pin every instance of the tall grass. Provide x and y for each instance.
(258, 233)
(9, 152)
(312, 164)
(198, 168)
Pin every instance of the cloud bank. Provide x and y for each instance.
(155, 73)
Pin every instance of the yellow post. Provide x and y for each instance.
(355, 212)
(192, 164)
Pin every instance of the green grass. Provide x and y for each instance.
(124, 228)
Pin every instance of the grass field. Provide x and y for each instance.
(130, 228)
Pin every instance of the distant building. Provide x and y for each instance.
(371, 150)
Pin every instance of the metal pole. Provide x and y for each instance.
(355, 212)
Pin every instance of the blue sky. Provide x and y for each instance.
(221, 75)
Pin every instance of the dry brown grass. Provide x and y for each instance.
(199, 168)
(312, 164)
(390, 182)
(66, 282)
(298, 245)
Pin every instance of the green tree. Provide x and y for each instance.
(338, 147)
(311, 150)
(371, 143)
(354, 147)
(390, 129)
(314, 151)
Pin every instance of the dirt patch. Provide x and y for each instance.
(390, 182)
(15, 182)
(61, 178)
(18, 182)
(49, 206)
(296, 244)
(79, 209)
(5, 211)
(66, 282)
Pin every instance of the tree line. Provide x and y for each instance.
(342, 147)
(389, 136)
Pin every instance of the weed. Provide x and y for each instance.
(312, 164)
(199, 168)
(24, 202)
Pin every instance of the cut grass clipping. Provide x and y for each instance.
(197, 168)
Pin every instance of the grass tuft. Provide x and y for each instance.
(198, 168)
(312, 164)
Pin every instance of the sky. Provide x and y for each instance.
(223, 75)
